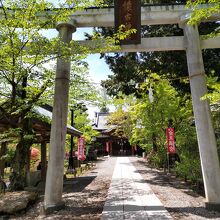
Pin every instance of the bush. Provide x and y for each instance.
(189, 169)
(158, 158)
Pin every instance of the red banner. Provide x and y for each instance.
(171, 141)
(81, 147)
(107, 146)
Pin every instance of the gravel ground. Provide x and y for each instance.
(85, 196)
(176, 196)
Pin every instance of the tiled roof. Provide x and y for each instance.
(101, 122)
(48, 114)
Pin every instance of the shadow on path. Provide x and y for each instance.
(77, 184)
(199, 211)
(162, 179)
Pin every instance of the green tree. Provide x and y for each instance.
(120, 119)
(152, 116)
(130, 68)
(199, 13)
(150, 120)
(24, 75)
(144, 121)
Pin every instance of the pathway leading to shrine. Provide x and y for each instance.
(130, 197)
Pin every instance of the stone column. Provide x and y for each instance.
(204, 126)
(54, 179)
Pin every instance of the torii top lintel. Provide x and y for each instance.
(150, 15)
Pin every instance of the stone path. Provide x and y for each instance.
(130, 197)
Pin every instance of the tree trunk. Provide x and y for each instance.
(21, 158)
(154, 142)
(22, 153)
(2, 161)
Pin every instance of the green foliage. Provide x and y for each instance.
(144, 123)
(154, 116)
(81, 88)
(129, 68)
(8, 157)
(25, 52)
(10, 135)
(186, 142)
(213, 96)
(159, 158)
(82, 123)
(120, 120)
(214, 91)
(189, 168)
(26, 78)
(202, 13)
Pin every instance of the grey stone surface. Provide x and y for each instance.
(130, 197)
(45, 210)
(33, 178)
(55, 170)
(212, 206)
(151, 15)
(203, 120)
(13, 202)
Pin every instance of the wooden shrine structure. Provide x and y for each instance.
(42, 129)
(112, 144)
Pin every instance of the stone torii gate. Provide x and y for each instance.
(190, 42)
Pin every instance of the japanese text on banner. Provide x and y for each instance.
(128, 13)
(171, 140)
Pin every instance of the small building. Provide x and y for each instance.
(41, 120)
(110, 143)
(42, 127)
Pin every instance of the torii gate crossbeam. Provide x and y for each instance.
(151, 15)
(160, 44)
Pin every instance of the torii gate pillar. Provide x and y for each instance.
(54, 180)
(205, 132)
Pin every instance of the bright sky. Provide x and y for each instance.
(98, 69)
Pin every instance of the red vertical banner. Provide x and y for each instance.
(81, 147)
(110, 147)
(107, 146)
(171, 140)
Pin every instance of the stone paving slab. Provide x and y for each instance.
(130, 197)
